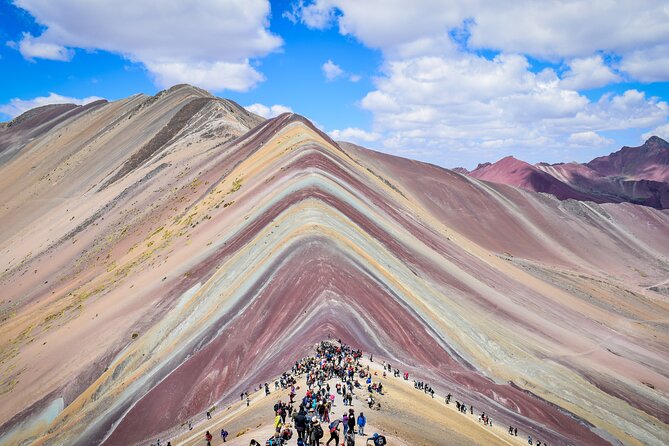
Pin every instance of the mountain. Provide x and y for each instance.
(637, 175)
(162, 254)
(649, 161)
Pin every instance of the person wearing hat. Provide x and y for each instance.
(316, 432)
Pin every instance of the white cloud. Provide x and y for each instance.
(587, 73)
(549, 30)
(588, 138)
(648, 64)
(661, 131)
(439, 99)
(354, 134)
(331, 70)
(17, 106)
(317, 15)
(454, 107)
(354, 78)
(214, 76)
(209, 45)
(31, 48)
(268, 112)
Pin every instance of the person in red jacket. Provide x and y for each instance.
(208, 437)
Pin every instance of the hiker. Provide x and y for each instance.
(378, 440)
(362, 421)
(351, 421)
(529, 439)
(208, 415)
(248, 401)
(254, 443)
(267, 392)
(510, 430)
(515, 431)
(448, 398)
(334, 432)
(349, 439)
(277, 423)
(300, 421)
(316, 432)
(344, 420)
(190, 425)
(224, 435)
(208, 437)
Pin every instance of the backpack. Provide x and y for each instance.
(350, 441)
(381, 440)
(318, 431)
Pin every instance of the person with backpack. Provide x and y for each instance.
(334, 432)
(316, 432)
(208, 437)
(362, 421)
(224, 435)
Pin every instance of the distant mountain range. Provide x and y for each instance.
(637, 175)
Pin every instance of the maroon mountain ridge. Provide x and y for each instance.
(638, 175)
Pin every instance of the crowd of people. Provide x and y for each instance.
(315, 416)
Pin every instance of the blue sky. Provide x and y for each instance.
(444, 82)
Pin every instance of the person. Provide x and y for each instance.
(208, 437)
(344, 420)
(208, 415)
(349, 439)
(248, 401)
(190, 425)
(362, 421)
(316, 432)
(224, 435)
(351, 421)
(334, 432)
(377, 440)
(254, 443)
(300, 422)
(529, 439)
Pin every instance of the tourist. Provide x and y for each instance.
(362, 421)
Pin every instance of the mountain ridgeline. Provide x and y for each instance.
(161, 255)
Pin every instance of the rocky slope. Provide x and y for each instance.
(159, 255)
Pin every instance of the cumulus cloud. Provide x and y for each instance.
(589, 72)
(31, 48)
(354, 134)
(648, 64)
(440, 99)
(17, 106)
(588, 139)
(268, 111)
(210, 44)
(549, 29)
(331, 70)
